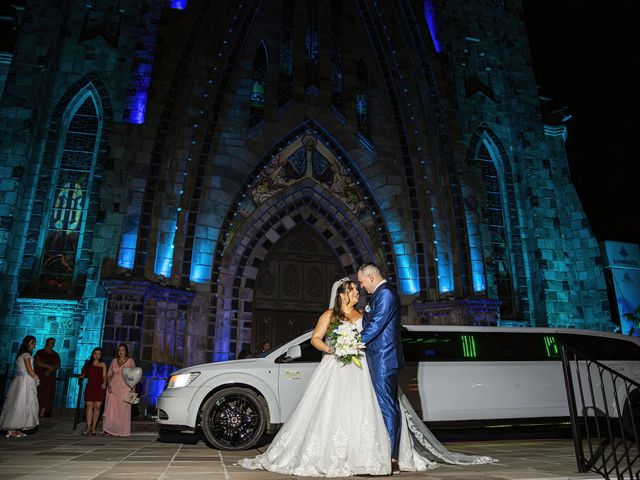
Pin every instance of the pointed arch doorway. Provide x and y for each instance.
(293, 286)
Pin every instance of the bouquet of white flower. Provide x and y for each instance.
(344, 341)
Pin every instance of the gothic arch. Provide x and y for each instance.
(506, 260)
(258, 85)
(359, 245)
(211, 83)
(88, 92)
(305, 203)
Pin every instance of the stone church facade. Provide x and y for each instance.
(189, 177)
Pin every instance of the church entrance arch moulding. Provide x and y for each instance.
(305, 180)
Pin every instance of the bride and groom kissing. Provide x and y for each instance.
(355, 420)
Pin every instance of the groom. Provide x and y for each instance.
(381, 335)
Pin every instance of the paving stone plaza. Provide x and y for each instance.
(56, 452)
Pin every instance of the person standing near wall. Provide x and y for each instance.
(95, 370)
(47, 363)
(117, 412)
(20, 411)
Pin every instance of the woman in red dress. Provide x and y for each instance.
(96, 371)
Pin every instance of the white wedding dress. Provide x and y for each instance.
(337, 430)
(20, 410)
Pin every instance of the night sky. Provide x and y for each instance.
(585, 57)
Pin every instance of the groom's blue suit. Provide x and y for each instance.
(381, 335)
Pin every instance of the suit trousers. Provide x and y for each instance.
(385, 384)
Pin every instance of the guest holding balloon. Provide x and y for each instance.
(95, 370)
(117, 410)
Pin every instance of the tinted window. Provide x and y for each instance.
(601, 348)
(310, 354)
(479, 346)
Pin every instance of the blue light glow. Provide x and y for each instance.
(156, 380)
(138, 108)
(408, 282)
(430, 17)
(475, 251)
(443, 261)
(127, 255)
(179, 4)
(202, 260)
(221, 353)
(42, 318)
(445, 269)
(164, 250)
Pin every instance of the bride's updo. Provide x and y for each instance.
(344, 287)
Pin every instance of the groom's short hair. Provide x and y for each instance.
(370, 268)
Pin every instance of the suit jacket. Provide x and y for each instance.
(381, 330)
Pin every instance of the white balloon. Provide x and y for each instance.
(132, 376)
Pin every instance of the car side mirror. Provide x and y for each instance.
(293, 352)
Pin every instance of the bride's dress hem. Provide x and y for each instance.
(337, 430)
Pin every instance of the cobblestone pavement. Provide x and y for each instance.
(56, 452)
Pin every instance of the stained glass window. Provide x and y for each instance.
(494, 214)
(362, 99)
(285, 76)
(258, 86)
(336, 54)
(311, 71)
(70, 200)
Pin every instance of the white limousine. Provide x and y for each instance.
(453, 375)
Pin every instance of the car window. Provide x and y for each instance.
(602, 348)
(310, 354)
(508, 346)
(478, 346)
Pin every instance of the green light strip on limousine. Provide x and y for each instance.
(469, 346)
(551, 347)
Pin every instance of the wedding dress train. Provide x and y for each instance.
(337, 430)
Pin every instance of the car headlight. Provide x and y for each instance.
(182, 380)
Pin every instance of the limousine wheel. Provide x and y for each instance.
(234, 419)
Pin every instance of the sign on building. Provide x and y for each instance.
(622, 268)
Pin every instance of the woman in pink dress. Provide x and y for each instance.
(117, 412)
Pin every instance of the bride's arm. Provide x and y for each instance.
(320, 331)
(27, 364)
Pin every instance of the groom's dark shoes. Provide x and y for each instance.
(395, 468)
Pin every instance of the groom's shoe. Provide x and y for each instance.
(395, 468)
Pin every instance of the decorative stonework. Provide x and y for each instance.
(471, 311)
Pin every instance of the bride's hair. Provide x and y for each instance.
(24, 346)
(344, 287)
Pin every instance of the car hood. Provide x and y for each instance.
(208, 367)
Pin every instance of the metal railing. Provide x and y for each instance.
(604, 406)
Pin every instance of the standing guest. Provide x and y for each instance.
(20, 410)
(46, 362)
(117, 412)
(95, 370)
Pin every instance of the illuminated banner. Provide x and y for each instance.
(623, 262)
(621, 255)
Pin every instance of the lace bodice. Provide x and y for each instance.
(21, 368)
(358, 324)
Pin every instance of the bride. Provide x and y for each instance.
(337, 429)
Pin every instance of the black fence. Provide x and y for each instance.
(604, 406)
